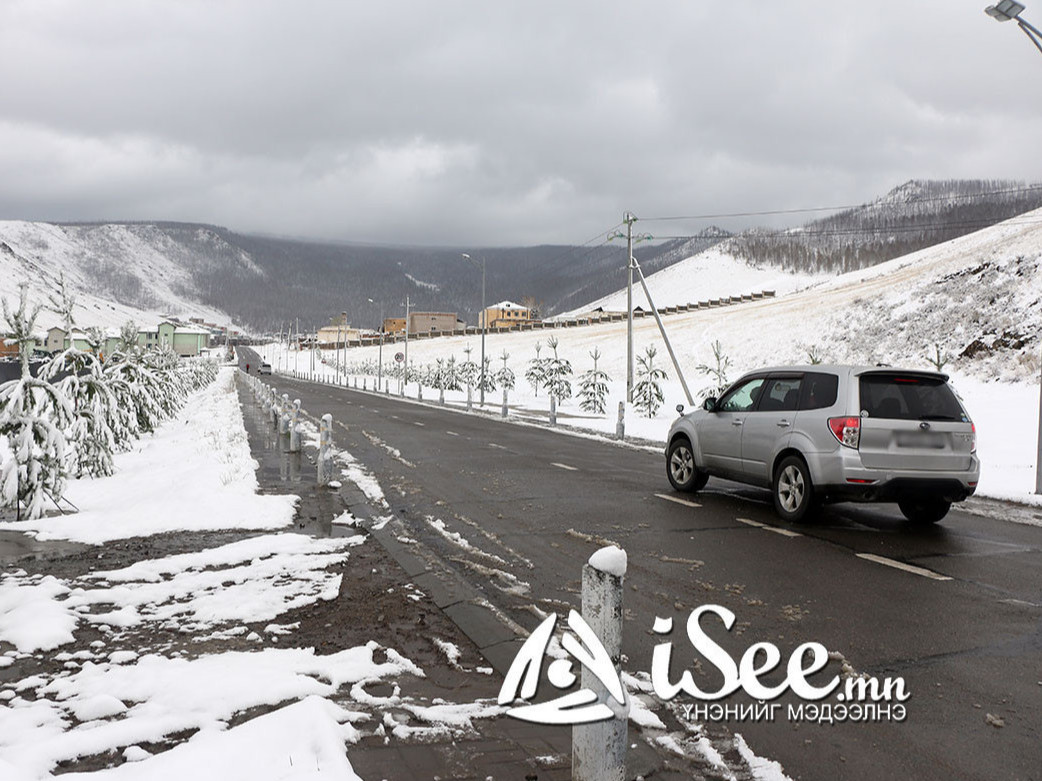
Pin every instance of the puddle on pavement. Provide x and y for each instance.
(16, 546)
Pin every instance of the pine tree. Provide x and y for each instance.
(647, 393)
(717, 372)
(34, 416)
(505, 376)
(468, 370)
(536, 371)
(556, 374)
(593, 387)
(487, 381)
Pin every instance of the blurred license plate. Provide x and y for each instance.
(927, 439)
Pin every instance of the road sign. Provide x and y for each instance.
(399, 357)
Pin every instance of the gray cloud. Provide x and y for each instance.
(497, 123)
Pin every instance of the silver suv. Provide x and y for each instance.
(833, 433)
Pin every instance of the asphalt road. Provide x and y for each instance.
(962, 626)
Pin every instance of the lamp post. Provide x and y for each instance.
(484, 326)
(1009, 11)
(380, 356)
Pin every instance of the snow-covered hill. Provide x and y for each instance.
(118, 272)
(713, 273)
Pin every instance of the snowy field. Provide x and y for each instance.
(984, 288)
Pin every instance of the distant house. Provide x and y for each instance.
(337, 335)
(183, 339)
(425, 322)
(505, 313)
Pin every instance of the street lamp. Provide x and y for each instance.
(1009, 11)
(484, 325)
(380, 359)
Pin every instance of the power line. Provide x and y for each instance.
(810, 209)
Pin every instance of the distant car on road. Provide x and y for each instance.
(816, 434)
(265, 368)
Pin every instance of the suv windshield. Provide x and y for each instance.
(908, 397)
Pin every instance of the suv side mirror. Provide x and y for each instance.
(709, 405)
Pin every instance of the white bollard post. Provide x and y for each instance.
(324, 462)
(284, 414)
(365, 383)
(470, 393)
(553, 410)
(273, 408)
(599, 749)
(441, 395)
(294, 427)
(387, 387)
(504, 402)
(620, 425)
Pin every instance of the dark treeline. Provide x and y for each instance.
(916, 215)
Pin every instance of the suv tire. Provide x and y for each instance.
(792, 489)
(681, 470)
(924, 509)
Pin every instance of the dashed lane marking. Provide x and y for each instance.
(564, 466)
(768, 528)
(452, 433)
(499, 447)
(678, 500)
(902, 566)
(417, 423)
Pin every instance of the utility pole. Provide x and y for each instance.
(405, 369)
(629, 218)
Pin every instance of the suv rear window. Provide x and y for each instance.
(818, 390)
(908, 397)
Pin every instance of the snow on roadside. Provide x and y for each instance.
(304, 740)
(162, 696)
(195, 473)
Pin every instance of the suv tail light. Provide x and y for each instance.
(846, 430)
(973, 441)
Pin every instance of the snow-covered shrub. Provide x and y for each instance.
(536, 371)
(717, 372)
(557, 373)
(647, 392)
(593, 387)
(505, 376)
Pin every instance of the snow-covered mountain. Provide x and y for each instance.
(118, 272)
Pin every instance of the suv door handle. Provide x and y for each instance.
(783, 423)
(736, 422)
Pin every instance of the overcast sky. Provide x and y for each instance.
(499, 123)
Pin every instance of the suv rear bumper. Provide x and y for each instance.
(845, 479)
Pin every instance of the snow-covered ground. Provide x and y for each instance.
(978, 295)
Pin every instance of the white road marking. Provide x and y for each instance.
(902, 566)
(565, 466)
(452, 433)
(417, 423)
(748, 522)
(768, 528)
(493, 444)
(685, 502)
